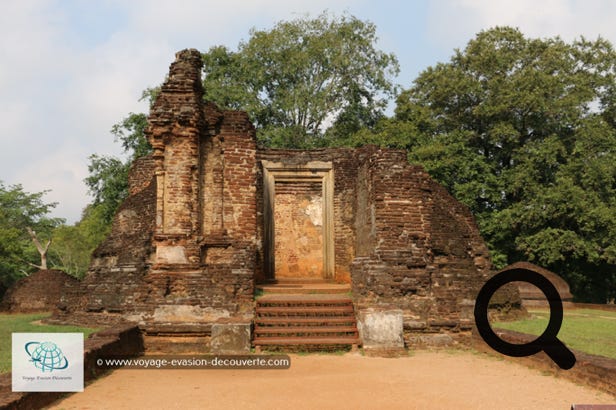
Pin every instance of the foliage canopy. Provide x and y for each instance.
(20, 210)
(523, 132)
(304, 77)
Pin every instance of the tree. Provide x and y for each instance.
(73, 244)
(300, 77)
(21, 211)
(523, 131)
(108, 184)
(42, 250)
(108, 179)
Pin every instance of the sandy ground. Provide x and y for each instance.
(425, 380)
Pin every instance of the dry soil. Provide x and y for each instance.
(425, 380)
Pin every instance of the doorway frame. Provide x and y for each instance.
(317, 171)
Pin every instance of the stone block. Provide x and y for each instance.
(436, 340)
(230, 338)
(381, 328)
(170, 254)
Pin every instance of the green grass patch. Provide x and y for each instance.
(586, 330)
(25, 323)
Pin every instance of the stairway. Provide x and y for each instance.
(305, 317)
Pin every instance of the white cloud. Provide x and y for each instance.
(454, 22)
(61, 92)
(69, 71)
(63, 170)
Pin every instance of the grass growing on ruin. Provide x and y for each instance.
(586, 330)
(10, 323)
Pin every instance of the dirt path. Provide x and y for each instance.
(423, 381)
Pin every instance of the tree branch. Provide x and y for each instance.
(42, 250)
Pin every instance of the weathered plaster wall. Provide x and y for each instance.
(299, 230)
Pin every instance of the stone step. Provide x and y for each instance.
(304, 287)
(301, 281)
(261, 330)
(288, 311)
(299, 301)
(304, 290)
(320, 315)
(283, 341)
(312, 321)
(177, 329)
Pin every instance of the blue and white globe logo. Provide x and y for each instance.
(40, 362)
(46, 356)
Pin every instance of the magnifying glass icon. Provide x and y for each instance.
(548, 342)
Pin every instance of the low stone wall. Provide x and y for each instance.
(595, 371)
(42, 291)
(123, 340)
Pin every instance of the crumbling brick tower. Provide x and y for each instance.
(182, 246)
(202, 224)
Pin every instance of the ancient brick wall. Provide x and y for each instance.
(182, 245)
(240, 173)
(42, 291)
(141, 173)
(400, 238)
(175, 125)
(419, 249)
(119, 264)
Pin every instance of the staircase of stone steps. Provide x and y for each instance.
(305, 316)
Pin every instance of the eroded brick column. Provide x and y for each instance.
(175, 124)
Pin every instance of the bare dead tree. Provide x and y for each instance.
(41, 249)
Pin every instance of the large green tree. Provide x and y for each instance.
(73, 245)
(304, 77)
(524, 132)
(108, 178)
(20, 210)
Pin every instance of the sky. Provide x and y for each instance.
(70, 70)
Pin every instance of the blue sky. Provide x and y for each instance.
(71, 69)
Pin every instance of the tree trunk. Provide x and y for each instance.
(42, 250)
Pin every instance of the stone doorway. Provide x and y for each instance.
(298, 220)
(298, 229)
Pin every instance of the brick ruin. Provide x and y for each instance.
(41, 291)
(210, 215)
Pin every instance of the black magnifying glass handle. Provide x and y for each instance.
(559, 353)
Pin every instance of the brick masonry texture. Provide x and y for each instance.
(182, 245)
(42, 291)
(187, 245)
(421, 250)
